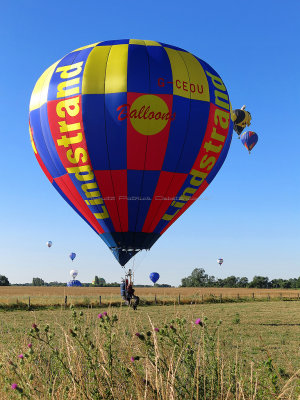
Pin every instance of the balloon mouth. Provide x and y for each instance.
(125, 245)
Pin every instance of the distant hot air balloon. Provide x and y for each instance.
(49, 244)
(154, 276)
(72, 256)
(73, 273)
(220, 261)
(241, 118)
(249, 140)
(130, 133)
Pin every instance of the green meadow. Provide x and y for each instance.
(236, 351)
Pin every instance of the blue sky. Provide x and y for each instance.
(250, 213)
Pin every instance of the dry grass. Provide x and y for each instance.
(40, 295)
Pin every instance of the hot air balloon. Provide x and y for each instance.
(74, 282)
(73, 273)
(49, 244)
(72, 256)
(130, 133)
(154, 277)
(249, 140)
(220, 261)
(241, 118)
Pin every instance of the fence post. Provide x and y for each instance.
(269, 298)
(29, 302)
(179, 299)
(280, 296)
(238, 296)
(66, 301)
(202, 299)
(99, 300)
(252, 295)
(298, 296)
(221, 298)
(155, 299)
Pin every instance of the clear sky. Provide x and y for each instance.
(249, 215)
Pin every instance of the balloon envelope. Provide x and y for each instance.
(220, 261)
(73, 273)
(154, 276)
(72, 256)
(49, 244)
(249, 139)
(130, 133)
(74, 283)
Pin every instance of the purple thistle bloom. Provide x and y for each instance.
(171, 327)
(199, 322)
(156, 329)
(132, 359)
(138, 334)
(14, 386)
(29, 345)
(105, 313)
(21, 356)
(34, 326)
(100, 316)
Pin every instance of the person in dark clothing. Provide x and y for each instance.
(131, 296)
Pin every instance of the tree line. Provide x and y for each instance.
(199, 278)
(98, 282)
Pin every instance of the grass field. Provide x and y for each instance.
(254, 353)
(40, 295)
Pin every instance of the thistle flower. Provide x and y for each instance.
(29, 345)
(156, 329)
(105, 313)
(21, 356)
(132, 359)
(14, 386)
(100, 316)
(199, 322)
(137, 334)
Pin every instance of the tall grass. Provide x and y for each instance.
(112, 356)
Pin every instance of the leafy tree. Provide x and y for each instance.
(96, 280)
(231, 281)
(102, 282)
(243, 282)
(198, 278)
(37, 282)
(261, 282)
(4, 281)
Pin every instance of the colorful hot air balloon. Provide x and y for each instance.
(154, 276)
(130, 133)
(249, 140)
(72, 256)
(241, 118)
(220, 261)
(49, 244)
